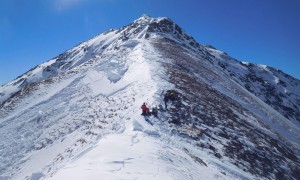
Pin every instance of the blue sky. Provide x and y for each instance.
(263, 32)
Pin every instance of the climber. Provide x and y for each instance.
(148, 113)
(144, 108)
(154, 111)
(160, 108)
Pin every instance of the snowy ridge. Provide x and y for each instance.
(77, 116)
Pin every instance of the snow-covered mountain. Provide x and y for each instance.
(78, 116)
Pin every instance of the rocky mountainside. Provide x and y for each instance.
(77, 116)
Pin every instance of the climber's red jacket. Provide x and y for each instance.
(144, 107)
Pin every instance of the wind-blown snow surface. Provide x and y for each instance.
(77, 116)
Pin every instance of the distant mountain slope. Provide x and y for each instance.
(271, 85)
(77, 116)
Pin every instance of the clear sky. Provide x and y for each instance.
(259, 31)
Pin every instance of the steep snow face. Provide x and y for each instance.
(77, 116)
(108, 41)
(66, 114)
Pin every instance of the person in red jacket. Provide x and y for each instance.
(144, 108)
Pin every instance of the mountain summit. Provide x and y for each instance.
(78, 115)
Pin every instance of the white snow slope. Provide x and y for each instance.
(78, 116)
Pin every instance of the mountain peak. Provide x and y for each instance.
(144, 19)
(146, 16)
(82, 108)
